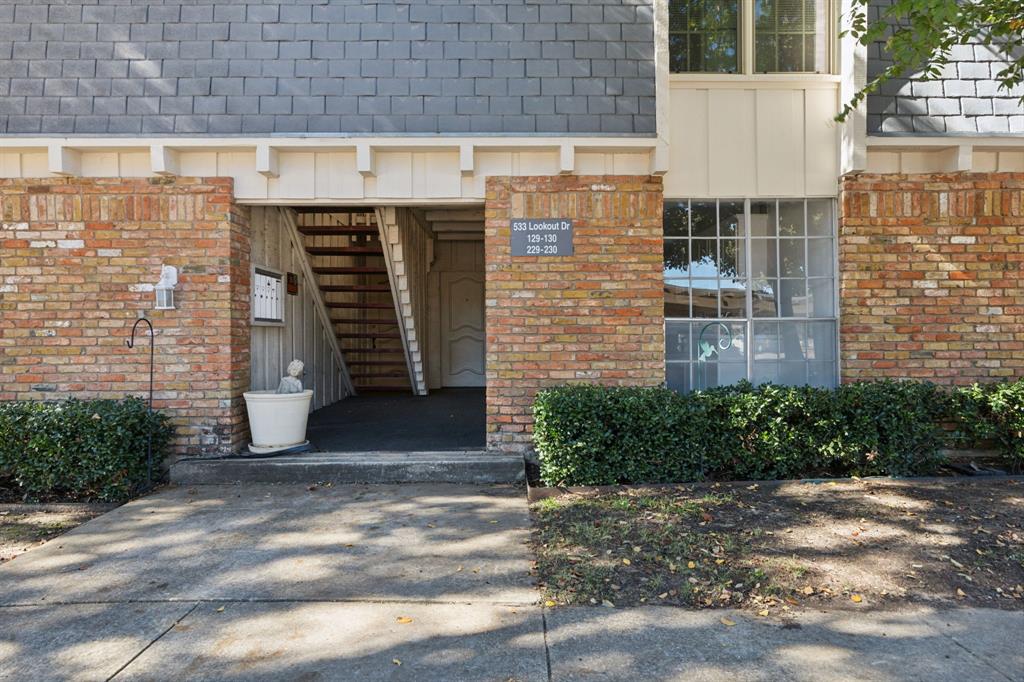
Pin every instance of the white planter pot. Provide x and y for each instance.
(277, 420)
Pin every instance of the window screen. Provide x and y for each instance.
(790, 35)
(703, 36)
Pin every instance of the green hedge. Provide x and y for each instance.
(85, 450)
(592, 435)
(994, 414)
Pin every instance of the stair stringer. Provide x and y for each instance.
(288, 219)
(406, 249)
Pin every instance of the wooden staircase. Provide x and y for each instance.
(346, 256)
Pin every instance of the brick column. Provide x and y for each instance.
(80, 257)
(593, 317)
(932, 276)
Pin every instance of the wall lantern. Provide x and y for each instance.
(165, 287)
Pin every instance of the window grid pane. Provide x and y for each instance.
(703, 36)
(790, 36)
(789, 315)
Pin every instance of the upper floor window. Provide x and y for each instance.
(703, 36)
(790, 35)
(749, 36)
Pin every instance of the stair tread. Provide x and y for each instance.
(338, 230)
(344, 251)
(376, 363)
(370, 335)
(363, 320)
(369, 288)
(360, 304)
(349, 270)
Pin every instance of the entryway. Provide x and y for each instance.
(386, 308)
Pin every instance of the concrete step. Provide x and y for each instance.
(459, 466)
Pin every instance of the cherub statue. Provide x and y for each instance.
(292, 383)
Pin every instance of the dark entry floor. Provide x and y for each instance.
(447, 419)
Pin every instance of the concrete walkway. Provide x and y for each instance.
(417, 582)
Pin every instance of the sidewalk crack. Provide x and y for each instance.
(155, 640)
(547, 649)
(973, 655)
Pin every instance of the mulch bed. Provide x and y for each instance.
(776, 547)
(24, 526)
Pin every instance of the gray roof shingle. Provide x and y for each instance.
(203, 67)
(965, 100)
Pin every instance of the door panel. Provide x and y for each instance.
(462, 329)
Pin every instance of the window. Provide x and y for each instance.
(267, 296)
(749, 36)
(704, 36)
(750, 292)
(790, 35)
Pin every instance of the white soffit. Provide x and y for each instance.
(312, 170)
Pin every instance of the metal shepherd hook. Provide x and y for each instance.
(149, 438)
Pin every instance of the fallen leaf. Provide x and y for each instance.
(220, 610)
(404, 620)
(808, 590)
(396, 661)
(763, 612)
(691, 564)
(549, 603)
(856, 598)
(626, 562)
(960, 593)
(728, 622)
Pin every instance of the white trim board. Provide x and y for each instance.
(325, 170)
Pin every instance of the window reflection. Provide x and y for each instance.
(781, 293)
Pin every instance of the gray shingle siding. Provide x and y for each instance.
(965, 100)
(312, 66)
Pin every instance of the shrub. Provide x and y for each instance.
(93, 450)
(891, 427)
(590, 435)
(993, 413)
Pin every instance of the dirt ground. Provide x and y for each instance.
(777, 547)
(24, 526)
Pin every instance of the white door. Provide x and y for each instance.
(462, 329)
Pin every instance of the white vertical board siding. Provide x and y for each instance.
(752, 139)
(302, 335)
(780, 148)
(732, 143)
(822, 134)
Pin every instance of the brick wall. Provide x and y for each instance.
(932, 276)
(79, 258)
(594, 317)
